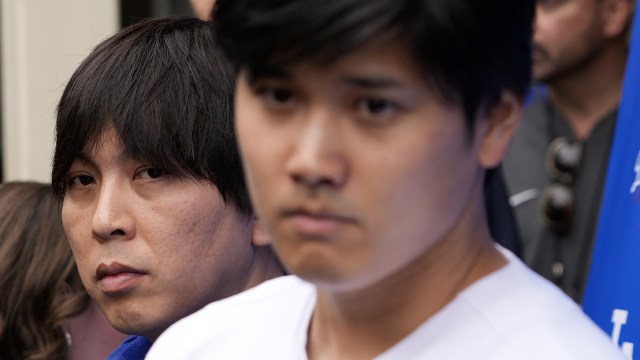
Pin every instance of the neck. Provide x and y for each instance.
(586, 96)
(366, 322)
(265, 266)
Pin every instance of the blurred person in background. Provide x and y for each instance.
(556, 166)
(45, 312)
(202, 8)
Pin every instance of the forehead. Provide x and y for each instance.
(390, 57)
(386, 66)
(107, 147)
(107, 140)
(577, 6)
(121, 142)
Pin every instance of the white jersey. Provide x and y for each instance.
(510, 314)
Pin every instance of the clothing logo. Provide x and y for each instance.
(636, 169)
(619, 318)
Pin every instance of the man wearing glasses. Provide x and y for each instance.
(556, 167)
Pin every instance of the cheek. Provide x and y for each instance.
(188, 226)
(77, 226)
(216, 240)
(81, 241)
(563, 30)
(261, 161)
(431, 178)
(548, 28)
(249, 121)
(198, 232)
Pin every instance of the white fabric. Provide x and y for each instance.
(510, 314)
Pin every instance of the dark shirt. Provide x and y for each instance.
(133, 348)
(561, 258)
(500, 217)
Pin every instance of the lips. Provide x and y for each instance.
(117, 279)
(317, 223)
(538, 52)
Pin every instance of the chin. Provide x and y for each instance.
(326, 275)
(314, 268)
(130, 321)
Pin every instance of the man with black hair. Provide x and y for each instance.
(366, 129)
(152, 189)
(556, 166)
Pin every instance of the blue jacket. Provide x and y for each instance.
(133, 348)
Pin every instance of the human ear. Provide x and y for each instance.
(260, 236)
(498, 128)
(616, 15)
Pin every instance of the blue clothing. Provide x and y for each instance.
(133, 348)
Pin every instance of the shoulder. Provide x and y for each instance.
(510, 314)
(226, 327)
(533, 319)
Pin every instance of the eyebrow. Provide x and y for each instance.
(87, 158)
(361, 81)
(268, 73)
(83, 157)
(371, 82)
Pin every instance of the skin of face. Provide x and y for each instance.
(568, 34)
(151, 248)
(357, 168)
(202, 8)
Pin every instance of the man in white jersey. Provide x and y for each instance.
(366, 129)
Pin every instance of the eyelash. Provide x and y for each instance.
(147, 169)
(282, 98)
(364, 107)
(273, 95)
(76, 181)
(71, 180)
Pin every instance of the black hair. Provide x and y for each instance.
(468, 50)
(168, 93)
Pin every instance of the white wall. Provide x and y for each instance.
(43, 41)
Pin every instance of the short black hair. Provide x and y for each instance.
(168, 93)
(468, 50)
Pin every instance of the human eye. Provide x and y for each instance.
(376, 108)
(80, 180)
(150, 173)
(548, 4)
(275, 95)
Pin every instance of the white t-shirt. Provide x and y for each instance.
(510, 314)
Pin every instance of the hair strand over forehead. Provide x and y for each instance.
(468, 50)
(167, 92)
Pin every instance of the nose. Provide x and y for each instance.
(538, 17)
(112, 218)
(318, 157)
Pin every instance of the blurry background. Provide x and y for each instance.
(42, 43)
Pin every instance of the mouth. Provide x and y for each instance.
(117, 279)
(317, 223)
(538, 53)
